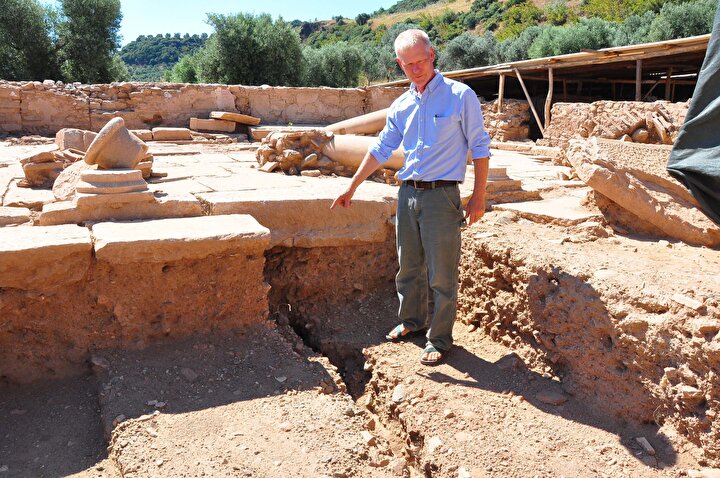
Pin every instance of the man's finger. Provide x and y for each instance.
(332, 206)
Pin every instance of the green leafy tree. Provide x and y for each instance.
(558, 13)
(338, 65)
(635, 29)
(517, 18)
(88, 37)
(469, 51)
(362, 18)
(251, 50)
(516, 49)
(27, 51)
(679, 20)
(592, 33)
(187, 70)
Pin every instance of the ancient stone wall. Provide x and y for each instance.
(47, 107)
(651, 123)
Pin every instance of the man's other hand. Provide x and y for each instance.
(475, 208)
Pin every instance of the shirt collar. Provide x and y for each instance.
(430, 86)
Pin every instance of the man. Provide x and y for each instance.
(437, 121)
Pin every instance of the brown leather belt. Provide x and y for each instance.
(430, 184)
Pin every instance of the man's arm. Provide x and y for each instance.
(475, 208)
(368, 166)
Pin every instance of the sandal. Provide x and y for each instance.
(396, 334)
(431, 349)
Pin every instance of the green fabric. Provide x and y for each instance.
(695, 158)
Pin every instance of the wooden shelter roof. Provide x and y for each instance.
(683, 55)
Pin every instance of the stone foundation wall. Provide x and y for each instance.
(651, 123)
(47, 107)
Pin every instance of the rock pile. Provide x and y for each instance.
(510, 124)
(304, 153)
(651, 123)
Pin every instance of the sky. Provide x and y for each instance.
(150, 17)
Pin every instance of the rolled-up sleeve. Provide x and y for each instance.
(387, 142)
(473, 126)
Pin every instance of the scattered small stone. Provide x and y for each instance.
(368, 438)
(398, 394)
(447, 413)
(704, 473)
(664, 243)
(281, 379)
(99, 363)
(551, 397)
(311, 173)
(188, 374)
(326, 459)
(285, 426)
(370, 425)
(277, 463)
(349, 412)
(434, 443)
(118, 420)
(367, 367)
(4, 469)
(18, 411)
(159, 462)
(160, 404)
(687, 302)
(645, 445)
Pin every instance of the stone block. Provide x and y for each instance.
(167, 206)
(143, 134)
(166, 240)
(14, 215)
(26, 197)
(171, 134)
(301, 217)
(73, 138)
(37, 258)
(199, 124)
(236, 117)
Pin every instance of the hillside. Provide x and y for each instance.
(345, 52)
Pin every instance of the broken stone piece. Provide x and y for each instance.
(551, 397)
(236, 117)
(172, 134)
(143, 134)
(114, 147)
(73, 138)
(111, 181)
(199, 124)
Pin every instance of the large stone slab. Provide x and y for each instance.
(166, 240)
(652, 196)
(164, 206)
(566, 210)
(26, 197)
(201, 124)
(39, 257)
(301, 217)
(14, 215)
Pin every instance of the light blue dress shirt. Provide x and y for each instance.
(436, 130)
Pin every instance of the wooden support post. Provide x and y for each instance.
(638, 80)
(668, 82)
(651, 89)
(529, 100)
(548, 99)
(501, 94)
